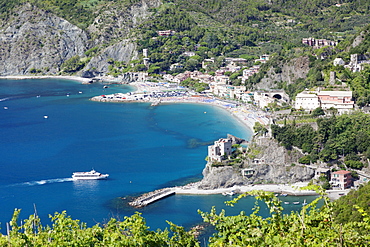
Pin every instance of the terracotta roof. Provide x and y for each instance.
(342, 172)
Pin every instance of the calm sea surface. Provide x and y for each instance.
(49, 129)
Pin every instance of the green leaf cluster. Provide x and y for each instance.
(309, 227)
(65, 231)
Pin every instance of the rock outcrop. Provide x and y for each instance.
(291, 71)
(37, 39)
(33, 40)
(122, 51)
(267, 163)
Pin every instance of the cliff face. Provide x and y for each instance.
(268, 163)
(35, 40)
(291, 71)
(38, 39)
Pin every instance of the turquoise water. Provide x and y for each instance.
(49, 129)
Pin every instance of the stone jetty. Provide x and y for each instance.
(151, 197)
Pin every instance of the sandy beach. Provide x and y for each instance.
(287, 189)
(245, 114)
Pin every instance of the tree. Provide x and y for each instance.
(318, 112)
(259, 128)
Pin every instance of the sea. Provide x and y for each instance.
(50, 129)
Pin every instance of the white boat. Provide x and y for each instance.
(228, 193)
(89, 175)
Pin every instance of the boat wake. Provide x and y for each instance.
(3, 99)
(42, 182)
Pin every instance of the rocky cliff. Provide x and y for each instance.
(33, 40)
(36, 39)
(266, 162)
(290, 71)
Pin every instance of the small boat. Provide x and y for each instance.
(284, 194)
(304, 203)
(228, 193)
(295, 203)
(286, 203)
(91, 175)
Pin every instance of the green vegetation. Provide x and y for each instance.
(194, 84)
(309, 227)
(74, 64)
(344, 210)
(337, 136)
(220, 28)
(64, 231)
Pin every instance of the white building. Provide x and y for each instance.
(220, 148)
(262, 100)
(307, 100)
(338, 62)
(221, 79)
(310, 100)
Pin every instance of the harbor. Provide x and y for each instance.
(192, 189)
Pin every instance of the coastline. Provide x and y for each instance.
(296, 189)
(288, 189)
(71, 78)
(245, 114)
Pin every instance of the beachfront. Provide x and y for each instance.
(296, 189)
(162, 93)
(288, 189)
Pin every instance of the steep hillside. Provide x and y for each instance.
(37, 41)
(103, 36)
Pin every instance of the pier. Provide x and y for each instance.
(151, 197)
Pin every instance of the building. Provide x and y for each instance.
(263, 59)
(341, 180)
(233, 60)
(318, 43)
(340, 100)
(310, 100)
(338, 62)
(357, 62)
(189, 53)
(166, 33)
(322, 172)
(220, 149)
(176, 66)
(307, 100)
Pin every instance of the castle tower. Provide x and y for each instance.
(332, 78)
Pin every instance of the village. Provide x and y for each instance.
(250, 107)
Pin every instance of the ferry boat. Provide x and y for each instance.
(89, 175)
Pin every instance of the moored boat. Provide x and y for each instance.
(91, 175)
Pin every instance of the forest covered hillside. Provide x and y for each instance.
(211, 29)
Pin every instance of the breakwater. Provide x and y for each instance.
(151, 197)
